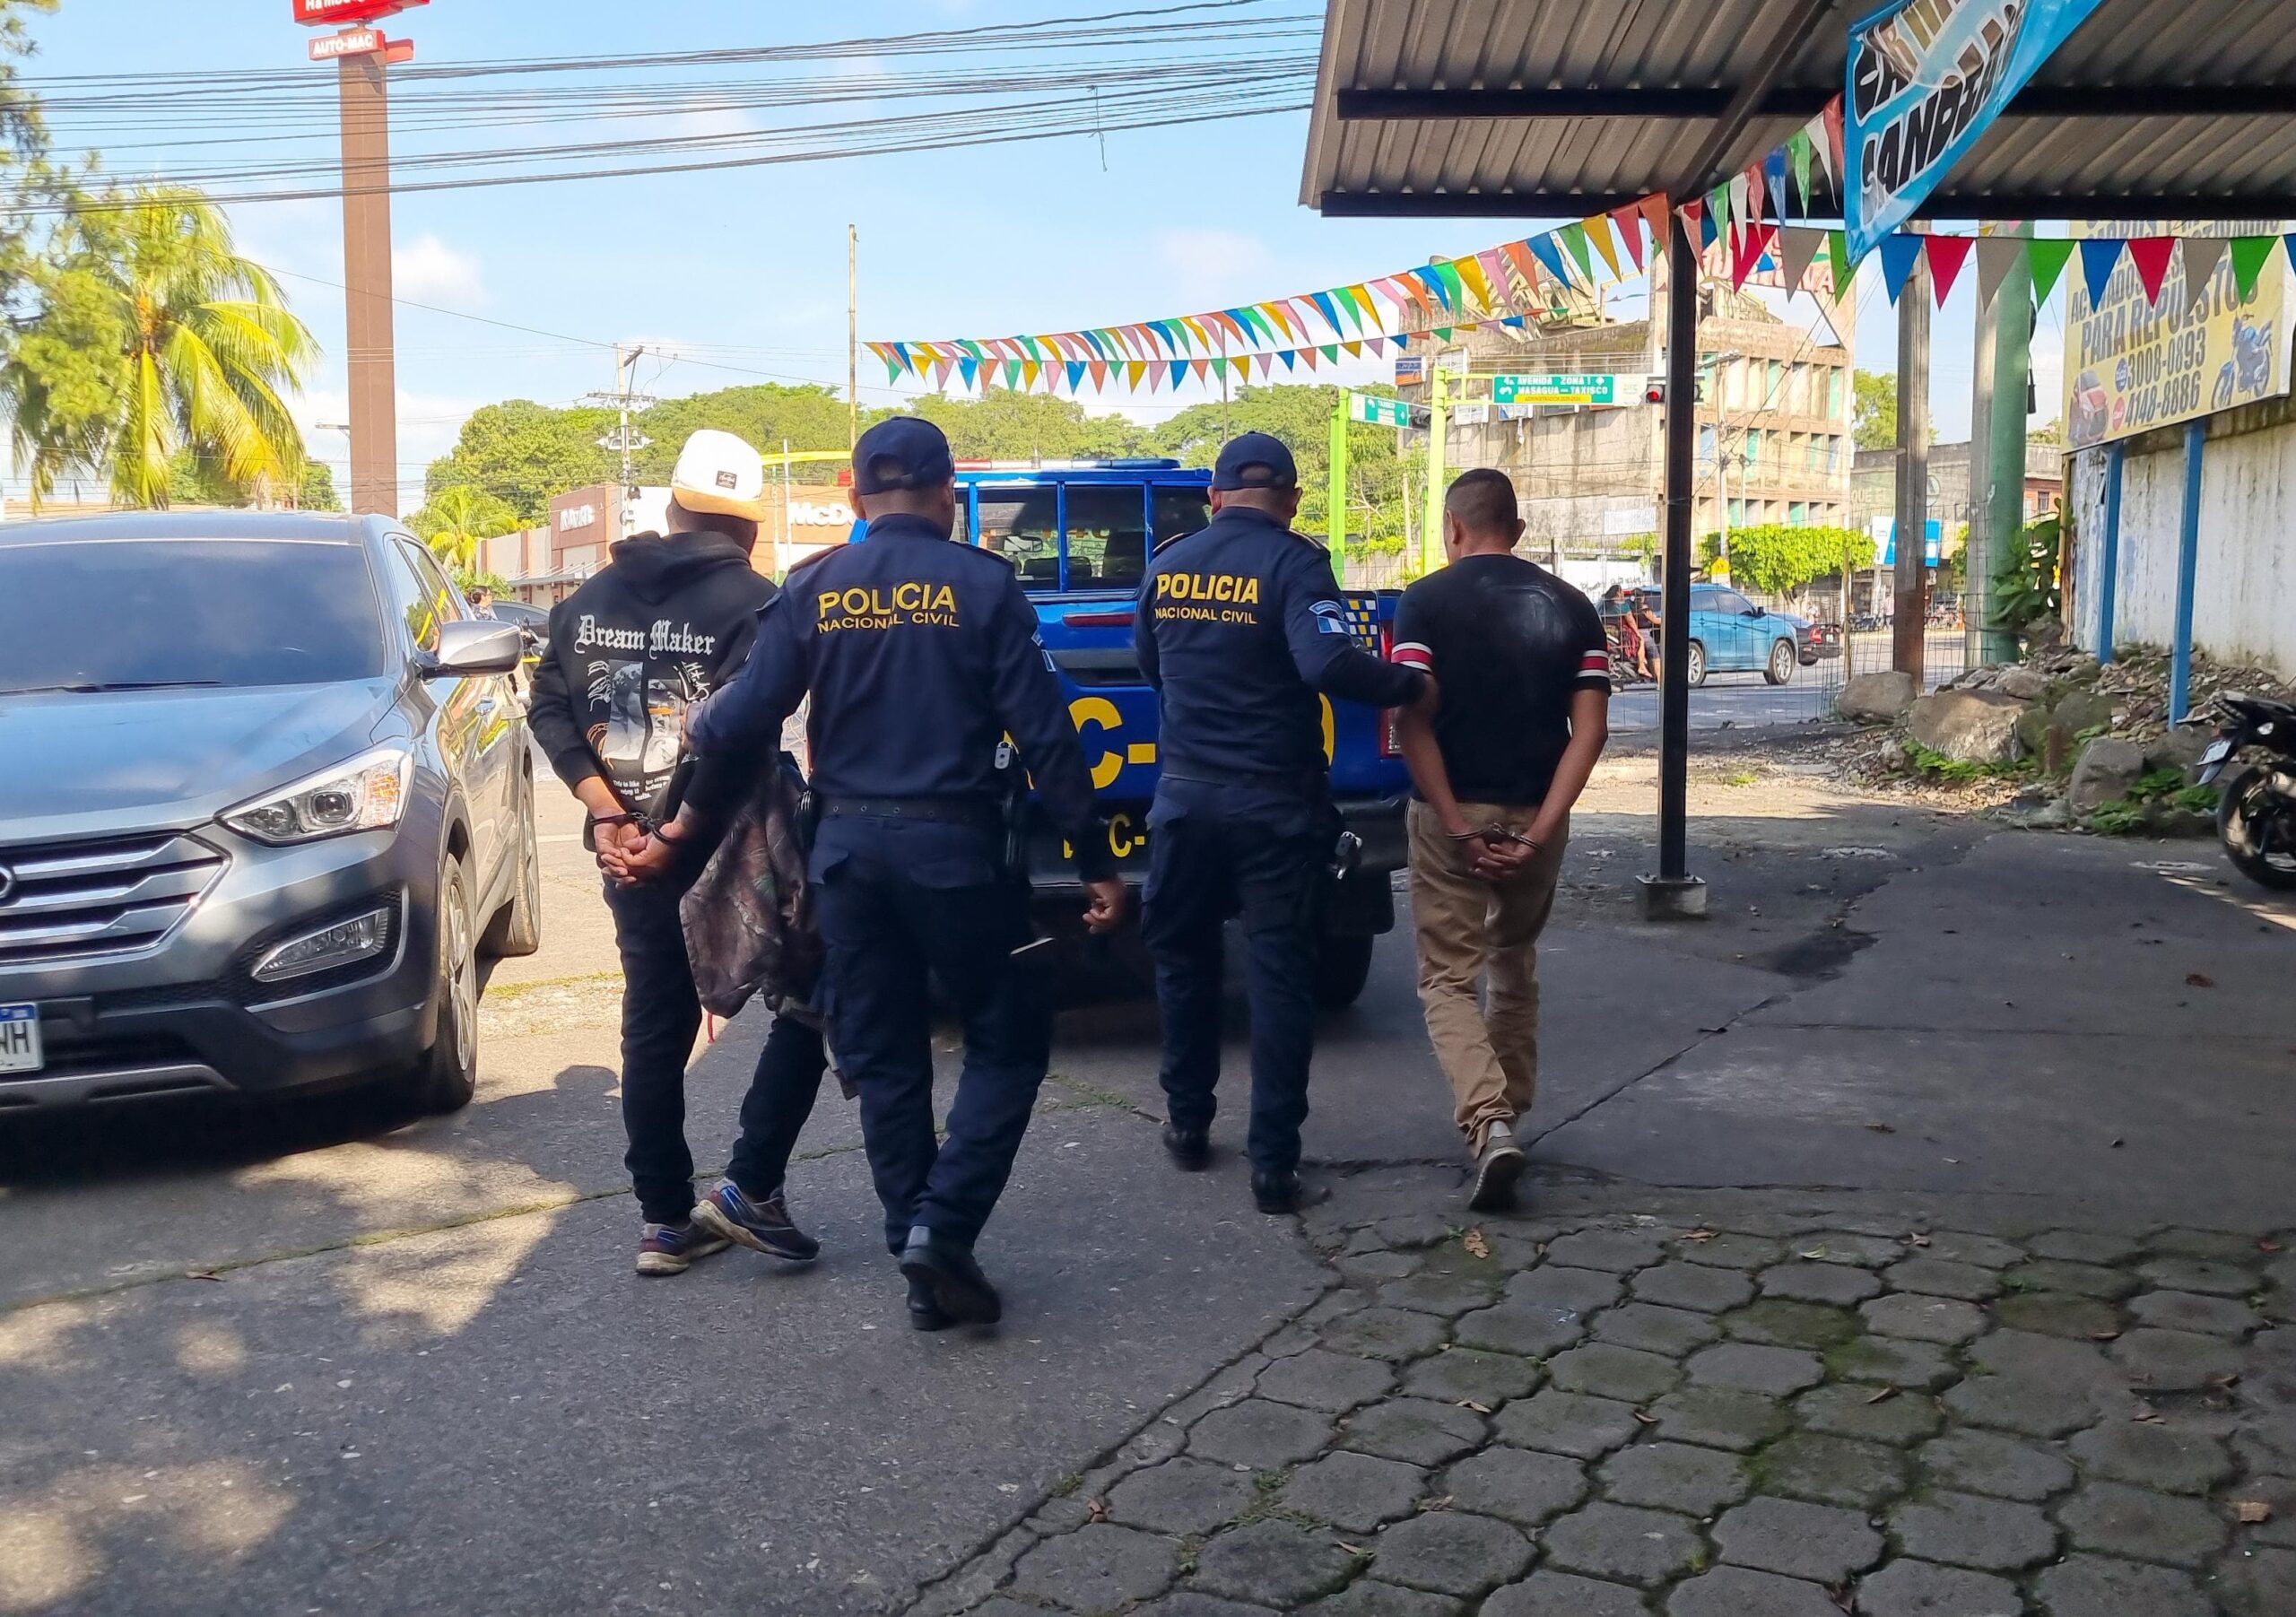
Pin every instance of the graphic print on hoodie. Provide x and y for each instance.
(667, 622)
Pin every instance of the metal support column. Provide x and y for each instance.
(2109, 556)
(1439, 427)
(2187, 573)
(1909, 565)
(1673, 892)
(1335, 523)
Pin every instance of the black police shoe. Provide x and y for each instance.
(1190, 1148)
(924, 1310)
(954, 1278)
(1277, 1193)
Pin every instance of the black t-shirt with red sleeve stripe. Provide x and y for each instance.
(1508, 643)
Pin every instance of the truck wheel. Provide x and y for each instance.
(1342, 965)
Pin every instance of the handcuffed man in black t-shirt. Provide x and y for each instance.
(1519, 658)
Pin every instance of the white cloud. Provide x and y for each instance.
(1214, 268)
(429, 271)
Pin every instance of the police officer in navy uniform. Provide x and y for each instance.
(1241, 629)
(921, 655)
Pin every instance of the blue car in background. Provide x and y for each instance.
(1729, 634)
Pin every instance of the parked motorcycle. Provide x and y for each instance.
(2256, 817)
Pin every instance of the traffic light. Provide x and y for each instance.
(1654, 390)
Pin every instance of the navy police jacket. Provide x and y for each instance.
(921, 655)
(1239, 627)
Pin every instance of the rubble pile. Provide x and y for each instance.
(2056, 739)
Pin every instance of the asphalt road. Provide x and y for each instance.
(330, 1360)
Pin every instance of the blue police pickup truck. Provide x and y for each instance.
(1080, 532)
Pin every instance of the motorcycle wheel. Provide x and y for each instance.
(2257, 828)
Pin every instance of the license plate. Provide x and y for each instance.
(20, 1038)
(1050, 859)
(2218, 750)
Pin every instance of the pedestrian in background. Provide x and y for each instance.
(666, 621)
(921, 655)
(1240, 628)
(1525, 675)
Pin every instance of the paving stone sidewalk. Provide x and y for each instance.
(1731, 1405)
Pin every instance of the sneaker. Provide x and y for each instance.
(1498, 1168)
(674, 1248)
(760, 1226)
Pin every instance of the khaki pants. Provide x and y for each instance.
(1472, 931)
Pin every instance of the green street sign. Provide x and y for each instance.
(1379, 412)
(1559, 389)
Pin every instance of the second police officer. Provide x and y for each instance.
(1241, 629)
(920, 655)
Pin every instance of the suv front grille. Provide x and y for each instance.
(89, 900)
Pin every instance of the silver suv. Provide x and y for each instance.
(265, 800)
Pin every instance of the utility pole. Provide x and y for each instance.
(1439, 427)
(368, 339)
(1909, 567)
(1998, 505)
(624, 437)
(362, 58)
(852, 336)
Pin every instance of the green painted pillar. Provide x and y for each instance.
(2005, 450)
(1335, 526)
(1430, 528)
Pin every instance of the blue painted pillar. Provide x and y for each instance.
(2187, 570)
(2109, 564)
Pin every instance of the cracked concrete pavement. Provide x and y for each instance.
(422, 1378)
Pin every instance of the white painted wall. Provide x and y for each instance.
(2244, 594)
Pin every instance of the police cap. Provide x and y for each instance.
(901, 452)
(1255, 460)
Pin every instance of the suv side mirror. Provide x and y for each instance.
(1756, 612)
(477, 645)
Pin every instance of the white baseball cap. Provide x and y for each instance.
(719, 471)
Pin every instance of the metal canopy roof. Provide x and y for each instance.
(2154, 108)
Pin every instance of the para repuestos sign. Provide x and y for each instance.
(1925, 79)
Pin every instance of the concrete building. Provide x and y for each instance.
(545, 564)
(1774, 426)
(1873, 483)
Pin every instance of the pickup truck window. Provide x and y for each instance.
(1108, 537)
(1022, 526)
(1179, 512)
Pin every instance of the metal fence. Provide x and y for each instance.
(1739, 700)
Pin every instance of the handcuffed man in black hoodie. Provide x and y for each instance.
(669, 619)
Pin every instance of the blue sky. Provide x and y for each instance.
(745, 268)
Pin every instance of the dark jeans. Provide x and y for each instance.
(901, 904)
(1222, 851)
(660, 1016)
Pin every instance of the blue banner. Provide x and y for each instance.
(1927, 77)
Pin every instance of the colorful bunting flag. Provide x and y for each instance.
(1450, 286)
(1996, 255)
(1628, 222)
(1773, 173)
(1947, 254)
(1798, 245)
(2249, 253)
(967, 369)
(2202, 255)
(1837, 263)
(1574, 241)
(1544, 248)
(1654, 218)
(1831, 118)
(2151, 254)
(1753, 243)
(1899, 253)
(2099, 255)
(1797, 158)
(1597, 229)
(1327, 308)
(2048, 255)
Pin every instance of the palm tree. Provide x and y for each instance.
(162, 339)
(457, 520)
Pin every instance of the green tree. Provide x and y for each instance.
(159, 338)
(26, 178)
(1874, 420)
(766, 415)
(523, 453)
(318, 490)
(1006, 425)
(1301, 416)
(454, 522)
(1774, 560)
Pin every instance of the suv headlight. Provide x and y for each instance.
(363, 795)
